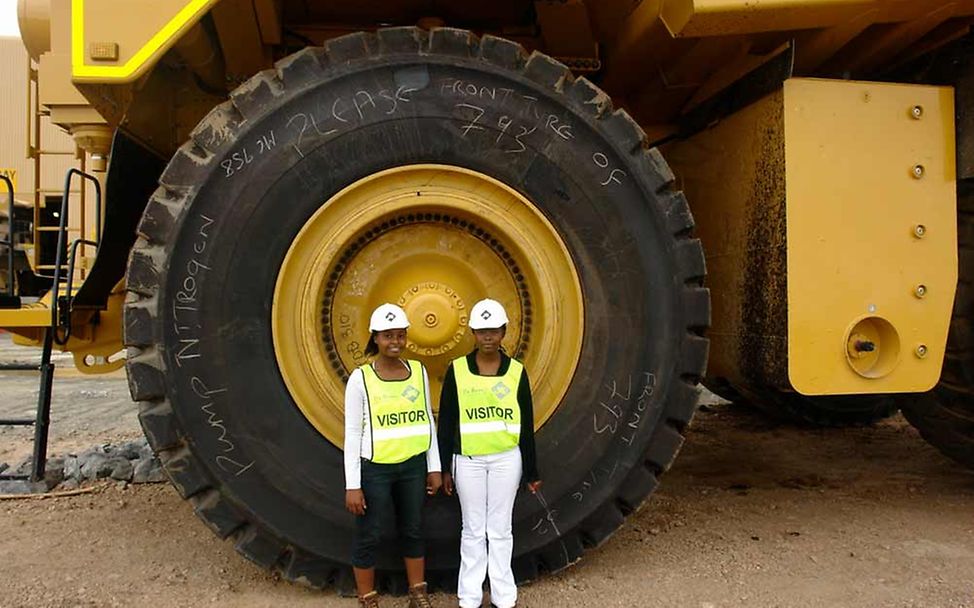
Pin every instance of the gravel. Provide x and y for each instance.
(129, 462)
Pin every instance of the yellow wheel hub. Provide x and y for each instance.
(443, 315)
(433, 239)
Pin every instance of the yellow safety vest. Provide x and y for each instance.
(397, 412)
(490, 417)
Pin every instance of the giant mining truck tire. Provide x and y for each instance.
(945, 415)
(384, 167)
(819, 410)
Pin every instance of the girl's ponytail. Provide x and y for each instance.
(371, 348)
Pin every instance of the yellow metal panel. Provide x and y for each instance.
(808, 209)
(715, 17)
(734, 70)
(13, 100)
(723, 17)
(75, 115)
(734, 178)
(34, 19)
(871, 217)
(884, 44)
(29, 315)
(819, 45)
(240, 38)
(54, 83)
(143, 31)
(97, 348)
(637, 49)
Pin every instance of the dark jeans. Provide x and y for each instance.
(391, 489)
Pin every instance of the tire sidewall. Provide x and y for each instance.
(216, 297)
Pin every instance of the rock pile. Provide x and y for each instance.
(131, 462)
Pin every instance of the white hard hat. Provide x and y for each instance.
(388, 316)
(488, 314)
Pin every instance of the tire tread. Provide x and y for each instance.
(249, 102)
(945, 416)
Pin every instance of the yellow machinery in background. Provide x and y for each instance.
(274, 169)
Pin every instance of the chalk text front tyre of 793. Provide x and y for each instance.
(427, 169)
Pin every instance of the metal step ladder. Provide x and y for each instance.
(42, 421)
(37, 151)
(59, 331)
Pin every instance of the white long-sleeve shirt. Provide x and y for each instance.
(358, 424)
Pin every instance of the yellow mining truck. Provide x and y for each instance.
(271, 170)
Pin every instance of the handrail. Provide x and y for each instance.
(61, 236)
(72, 257)
(10, 235)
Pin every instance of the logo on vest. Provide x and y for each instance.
(500, 390)
(411, 394)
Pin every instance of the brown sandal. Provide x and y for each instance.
(418, 597)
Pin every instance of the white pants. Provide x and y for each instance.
(486, 486)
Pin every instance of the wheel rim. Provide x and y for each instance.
(433, 239)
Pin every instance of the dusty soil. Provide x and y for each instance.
(753, 513)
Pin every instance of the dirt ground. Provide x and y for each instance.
(85, 410)
(753, 513)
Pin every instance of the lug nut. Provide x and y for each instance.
(921, 350)
(918, 171)
(919, 231)
(920, 291)
(916, 112)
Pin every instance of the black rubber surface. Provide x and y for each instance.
(202, 273)
(819, 410)
(945, 415)
(132, 177)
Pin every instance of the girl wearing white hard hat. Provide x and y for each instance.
(487, 427)
(391, 459)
